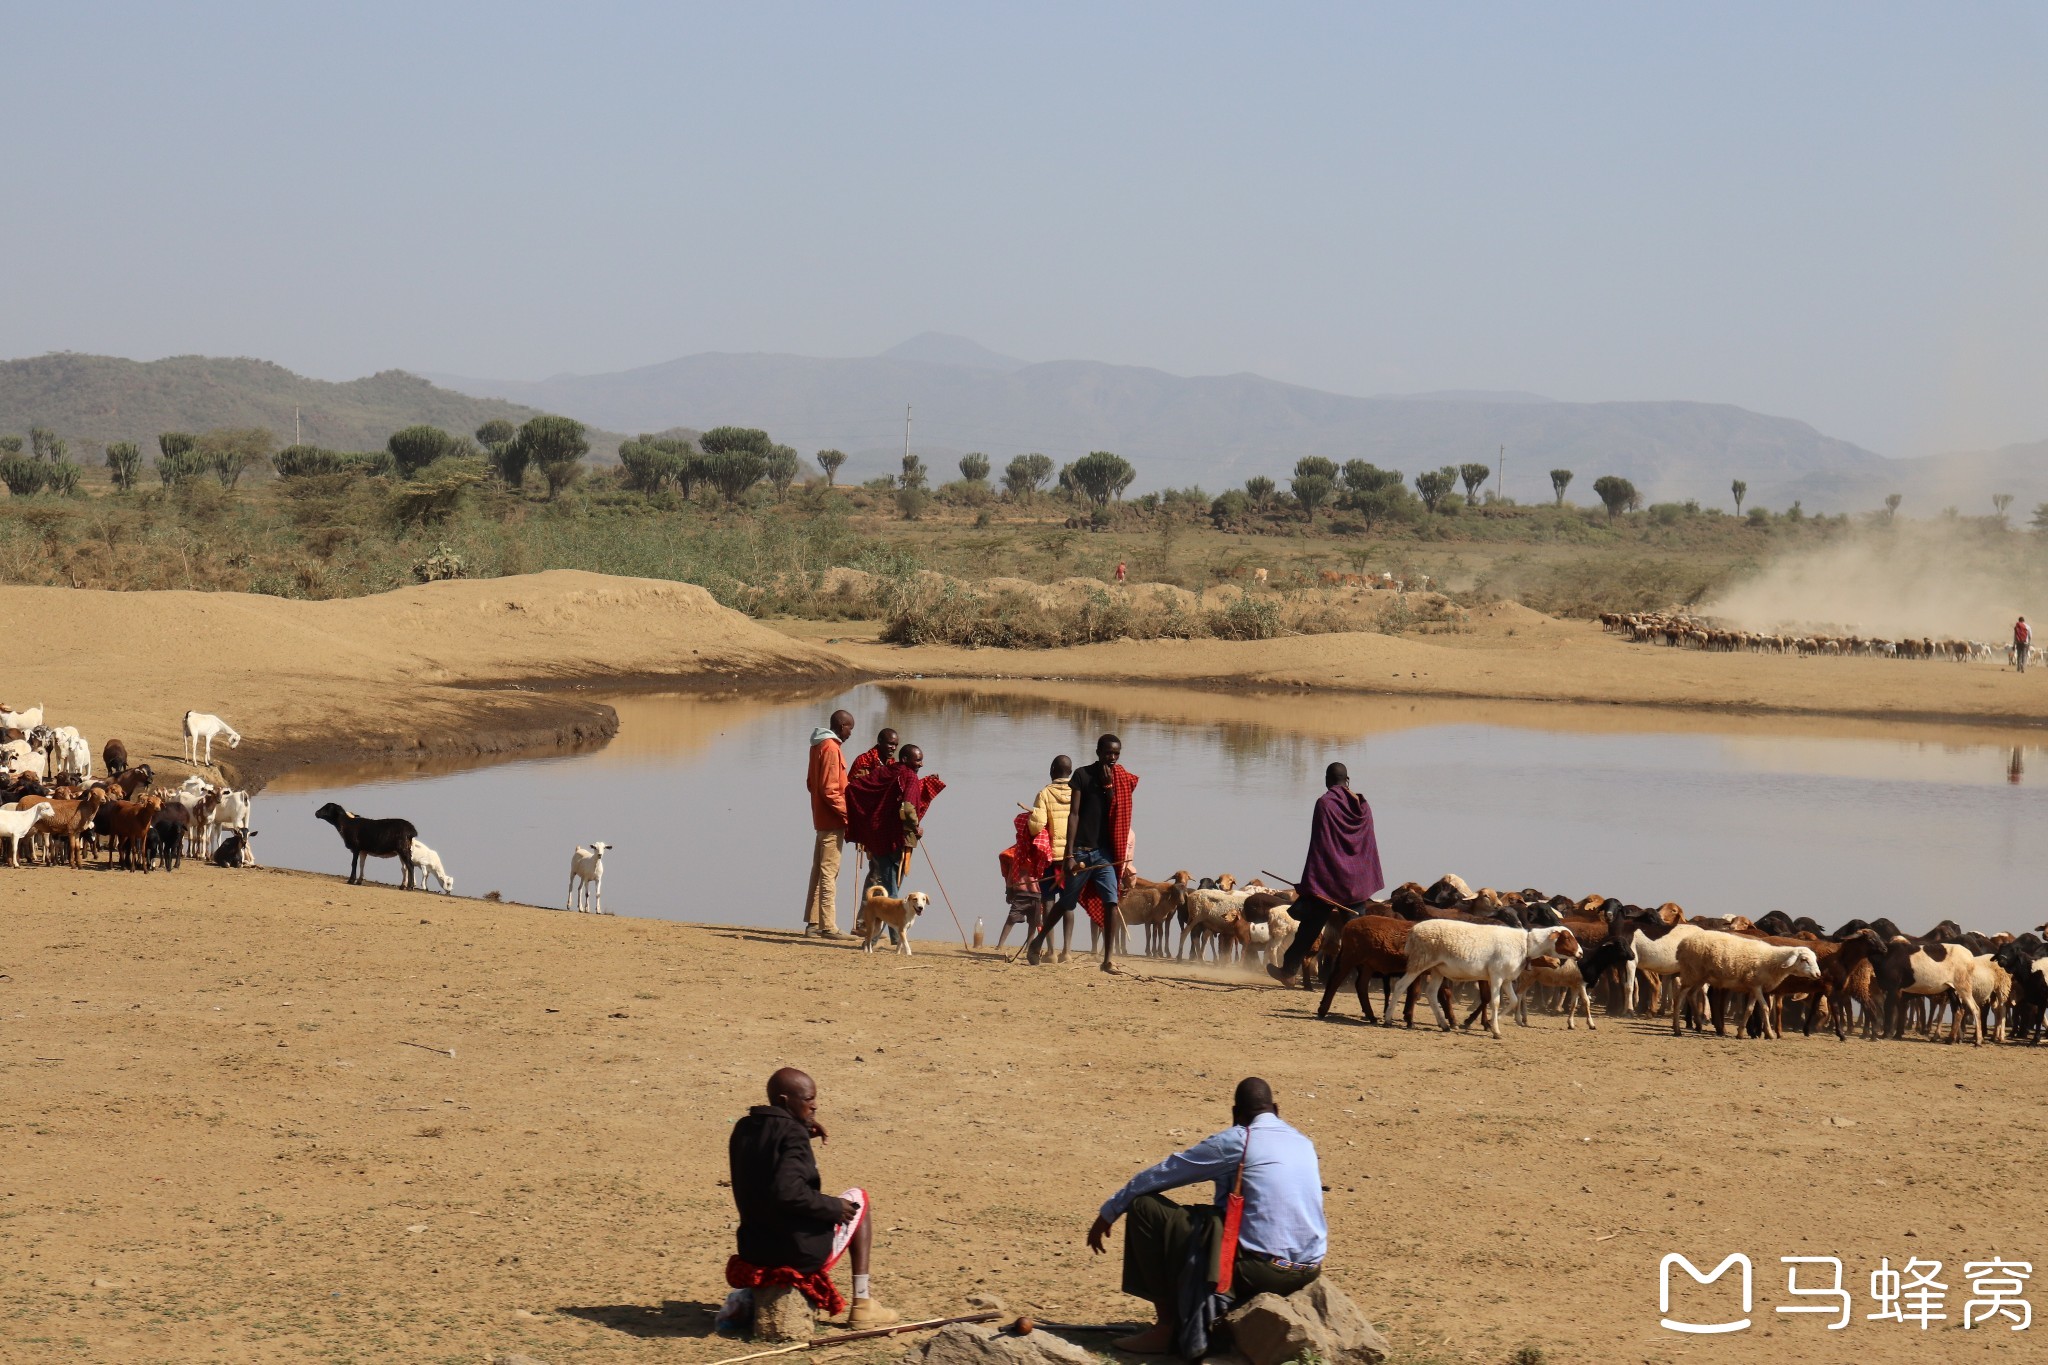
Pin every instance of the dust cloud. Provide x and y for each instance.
(1922, 579)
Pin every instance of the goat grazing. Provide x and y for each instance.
(429, 863)
(586, 865)
(366, 839)
(202, 725)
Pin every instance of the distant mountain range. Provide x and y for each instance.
(1215, 430)
(95, 399)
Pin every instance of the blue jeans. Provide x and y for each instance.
(1095, 867)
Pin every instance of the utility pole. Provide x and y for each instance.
(295, 425)
(906, 435)
(1500, 480)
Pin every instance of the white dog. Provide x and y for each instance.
(880, 911)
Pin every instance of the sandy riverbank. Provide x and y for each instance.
(1510, 653)
(220, 1144)
(453, 669)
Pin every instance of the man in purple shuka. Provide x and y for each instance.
(1343, 870)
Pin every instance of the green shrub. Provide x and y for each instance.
(1246, 618)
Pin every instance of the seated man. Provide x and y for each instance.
(790, 1233)
(1172, 1252)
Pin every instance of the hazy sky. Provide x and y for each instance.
(1828, 211)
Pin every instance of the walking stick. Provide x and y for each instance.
(925, 1326)
(934, 867)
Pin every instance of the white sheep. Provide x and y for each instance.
(1656, 957)
(427, 861)
(1731, 962)
(19, 756)
(230, 816)
(14, 824)
(201, 725)
(1495, 954)
(586, 865)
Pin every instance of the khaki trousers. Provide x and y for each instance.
(821, 909)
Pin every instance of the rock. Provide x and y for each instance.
(782, 1314)
(977, 1343)
(1272, 1330)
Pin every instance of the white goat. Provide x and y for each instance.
(1656, 958)
(19, 756)
(231, 816)
(425, 861)
(1207, 908)
(1730, 962)
(1493, 953)
(586, 865)
(73, 754)
(15, 824)
(201, 725)
(23, 721)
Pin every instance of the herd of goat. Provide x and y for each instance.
(52, 801)
(1691, 632)
(1756, 976)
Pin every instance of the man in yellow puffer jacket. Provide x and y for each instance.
(1049, 813)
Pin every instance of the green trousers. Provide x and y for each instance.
(1158, 1235)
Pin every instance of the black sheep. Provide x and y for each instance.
(366, 839)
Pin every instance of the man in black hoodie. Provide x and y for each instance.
(786, 1223)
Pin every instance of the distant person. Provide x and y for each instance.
(2022, 641)
(1119, 572)
(883, 752)
(1098, 853)
(827, 784)
(1170, 1248)
(790, 1233)
(1343, 867)
(1050, 811)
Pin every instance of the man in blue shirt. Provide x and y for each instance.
(1172, 1251)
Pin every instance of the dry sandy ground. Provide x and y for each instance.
(221, 1145)
(1510, 653)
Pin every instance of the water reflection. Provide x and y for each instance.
(704, 798)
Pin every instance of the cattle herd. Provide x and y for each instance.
(1756, 976)
(55, 809)
(1692, 632)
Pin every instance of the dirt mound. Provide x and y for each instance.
(445, 666)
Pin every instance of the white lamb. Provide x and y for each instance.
(73, 753)
(202, 725)
(1493, 953)
(425, 861)
(586, 865)
(1730, 962)
(15, 824)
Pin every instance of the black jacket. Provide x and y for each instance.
(784, 1220)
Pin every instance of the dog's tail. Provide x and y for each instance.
(877, 890)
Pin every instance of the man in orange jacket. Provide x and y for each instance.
(827, 782)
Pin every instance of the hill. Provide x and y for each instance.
(1215, 429)
(96, 399)
(1964, 480)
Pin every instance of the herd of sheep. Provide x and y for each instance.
(1691, 632)
(1758, 976)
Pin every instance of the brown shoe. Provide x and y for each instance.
(867, 1313)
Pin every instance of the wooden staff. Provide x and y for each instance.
(926, 1325)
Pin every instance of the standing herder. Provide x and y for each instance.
(885, 808)
(1343, 867)
(1051, 811)
(883, 754)
(2022, 642)
(1098, 844)
(827, 783)
(1174, 1253)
